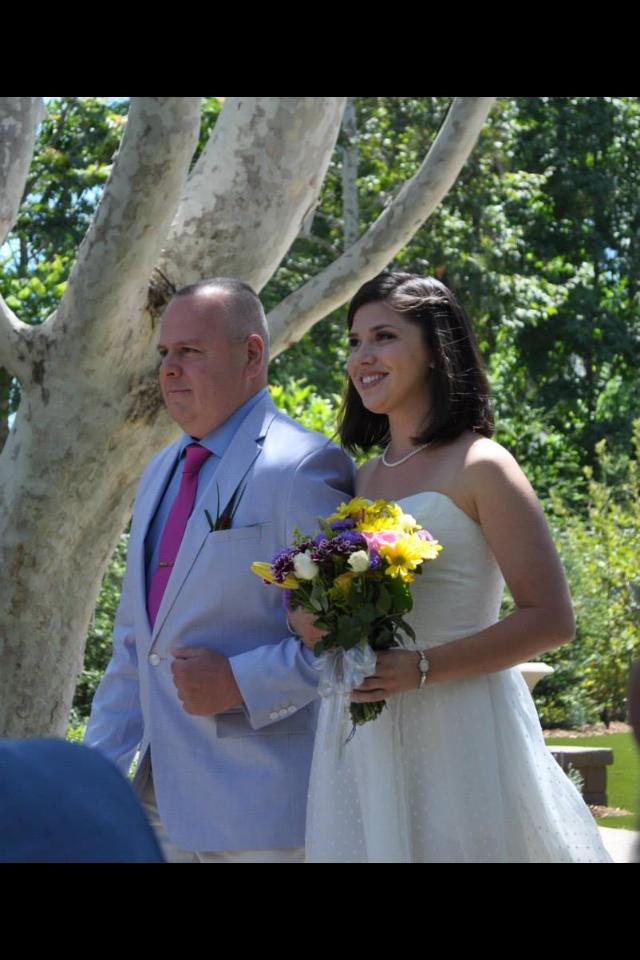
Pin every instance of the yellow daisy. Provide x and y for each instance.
(351, 509)
(407, 553)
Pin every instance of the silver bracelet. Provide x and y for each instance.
(424, 665)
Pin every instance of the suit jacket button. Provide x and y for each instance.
(274, 716)
(154, 659)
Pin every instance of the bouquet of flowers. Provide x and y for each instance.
(355, 577)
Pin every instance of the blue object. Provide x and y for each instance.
(64, 803)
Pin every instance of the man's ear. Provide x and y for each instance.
(254, 353)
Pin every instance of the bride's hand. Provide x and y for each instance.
(396, 672)
(303, 624)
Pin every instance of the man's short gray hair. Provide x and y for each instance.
(244, 313)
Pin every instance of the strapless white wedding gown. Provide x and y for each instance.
(458, 772)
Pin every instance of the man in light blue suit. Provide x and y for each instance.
(205, 679)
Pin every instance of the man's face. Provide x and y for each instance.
(202, 375)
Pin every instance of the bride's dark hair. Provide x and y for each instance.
(460, 390)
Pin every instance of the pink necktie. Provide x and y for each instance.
(175, 526)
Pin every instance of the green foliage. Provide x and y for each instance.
(211, 107)
(301, 401)
(98, 649)
(600, 551)
(76, 729)
(579, 337)
(72, 161)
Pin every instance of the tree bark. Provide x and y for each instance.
(350, 162)
(19, 119)
(70, 465)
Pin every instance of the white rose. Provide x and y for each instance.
(304, 567)
(359, 561)
(407, 523)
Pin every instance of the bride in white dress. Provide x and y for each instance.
(456, 769)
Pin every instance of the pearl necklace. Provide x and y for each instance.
(396, 463)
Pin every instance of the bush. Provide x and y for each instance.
(98, 648)
(600, 550)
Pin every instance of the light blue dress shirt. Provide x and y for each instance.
(217, 442)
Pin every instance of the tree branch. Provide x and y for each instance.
(259, 175)
(394, 228)
(108, 284)
(15, 343)
(350, 164)
(19, 119)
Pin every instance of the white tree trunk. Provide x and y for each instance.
(350, 162)
(19, 119)
(246, 198)
(69, 467)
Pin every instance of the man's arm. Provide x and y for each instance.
(115, 725)
(272, 681)
(276, 680)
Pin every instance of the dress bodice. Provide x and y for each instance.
(460, 592)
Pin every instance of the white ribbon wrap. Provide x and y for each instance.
(341, 671)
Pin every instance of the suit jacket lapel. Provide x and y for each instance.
(229, 477)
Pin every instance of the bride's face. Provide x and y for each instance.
(389, 365)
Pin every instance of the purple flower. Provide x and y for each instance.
(326, 549)
(352, 537)
(282, 564)
(347, 524)
(425, 535)
(374, 559)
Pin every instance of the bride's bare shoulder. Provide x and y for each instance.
(491, 468)
(479, 450)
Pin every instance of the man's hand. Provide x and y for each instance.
(204, 681)
(304, 625)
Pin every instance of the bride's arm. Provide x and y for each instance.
(516, 530)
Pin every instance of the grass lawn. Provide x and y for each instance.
(623, 776)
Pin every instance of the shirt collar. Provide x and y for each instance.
(218, 440)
